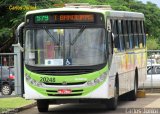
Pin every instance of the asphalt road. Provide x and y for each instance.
(148, 105)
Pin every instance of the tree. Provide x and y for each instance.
(152, 43)
(11, 18)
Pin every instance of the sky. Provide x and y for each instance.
(153, 1)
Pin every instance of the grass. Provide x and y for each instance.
(16, 102)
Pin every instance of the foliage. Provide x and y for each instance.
(152, 43)
(4, 34)
(9, 20)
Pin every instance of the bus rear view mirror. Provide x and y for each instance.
(19, 34)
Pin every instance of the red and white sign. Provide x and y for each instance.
(64, 91)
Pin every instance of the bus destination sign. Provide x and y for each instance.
(41, 19)
(64, 18)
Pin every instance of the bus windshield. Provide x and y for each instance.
(65, 47)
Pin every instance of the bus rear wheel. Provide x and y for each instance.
(42, 105)
(132, 95)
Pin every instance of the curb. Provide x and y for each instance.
(16, 110)
(26, 107)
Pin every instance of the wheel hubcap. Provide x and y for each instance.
(5, 90)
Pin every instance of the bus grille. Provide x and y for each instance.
(64, 72)
(77, 94)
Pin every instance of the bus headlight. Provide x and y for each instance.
(39, 84)
(27, 77)
(33, 82)
(90, 83)
(97, 80)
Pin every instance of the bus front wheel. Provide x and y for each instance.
(42, 105)
(113, 102)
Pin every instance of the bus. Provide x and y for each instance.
(82, 54)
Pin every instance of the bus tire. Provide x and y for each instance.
(113, 102)
(42, 105)
(132, 95)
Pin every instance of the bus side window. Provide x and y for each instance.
(140, 34)
(115, 37)
(135, 32)
(110, 40)
(121, 39)
(130, 33)
(143, 34)
(125, 34)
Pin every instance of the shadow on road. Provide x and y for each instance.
(82, 109)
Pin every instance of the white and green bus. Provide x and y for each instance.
(82, 55)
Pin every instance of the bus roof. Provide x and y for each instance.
(108, 12)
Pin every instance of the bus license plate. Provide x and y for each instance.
(64, 91)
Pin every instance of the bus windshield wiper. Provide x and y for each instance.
(78, 35)
(50, 35)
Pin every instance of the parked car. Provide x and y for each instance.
(6, 80)
(151, 61)
(153, 76)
